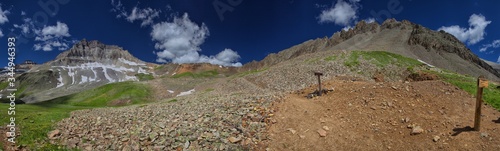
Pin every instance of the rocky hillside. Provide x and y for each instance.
(494, 65)
(88, 64)
(437, 48)
(172, 69)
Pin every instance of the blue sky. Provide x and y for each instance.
(226, 32)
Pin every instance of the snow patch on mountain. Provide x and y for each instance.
(130, 62)
(186, 93)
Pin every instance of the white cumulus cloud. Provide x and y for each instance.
(498, 60)
(59, 30)
(471, 35)
(3, 16)
(146, 15)
(47, 38)
(180, 40)
(342, 13)
(494, 44)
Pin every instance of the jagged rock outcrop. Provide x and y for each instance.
(445, 42)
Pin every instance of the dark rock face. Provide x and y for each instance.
(360, 28)
(445, 42)
(92, 51)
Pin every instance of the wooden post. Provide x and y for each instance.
(481, 83)
(319, 82)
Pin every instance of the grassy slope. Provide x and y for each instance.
(491, 95)
(204, 74)
(144, 77)
(379, 58)
(36, 120)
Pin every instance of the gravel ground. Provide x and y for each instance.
(233, 116)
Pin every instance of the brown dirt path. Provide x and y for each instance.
(379, 116)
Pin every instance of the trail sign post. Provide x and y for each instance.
(319, 74)
(481, 83)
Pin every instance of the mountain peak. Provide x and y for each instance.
(86, 51)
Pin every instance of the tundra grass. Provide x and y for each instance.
(144, 77)
(34, 121)
(249, 72)
(204, 74)
(101, 97)
(379, 58)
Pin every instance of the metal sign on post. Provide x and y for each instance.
(481, 83)
(319, 74)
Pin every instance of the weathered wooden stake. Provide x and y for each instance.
(319, 82)
(481, 83)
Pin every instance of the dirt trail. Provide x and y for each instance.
(380, 116)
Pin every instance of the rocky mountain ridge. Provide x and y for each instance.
(400, 37)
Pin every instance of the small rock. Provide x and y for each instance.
(124, 139)
(186, 145)
(158, 147)
(291, 130)
(394, 87)
(321, 132)
(406, 120)
(302, 136)
(234, 139)
(417, 130)
(53, 134)
(322, 120)
(161, 125)
(436, 138)
(222, 147)
(326, 128)
(373, 108)
(246, 142)
(274, 121)
(484, 135)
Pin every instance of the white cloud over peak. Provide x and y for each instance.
(342, 13)
(47, 38)
(472, 35)
(498, 60)
(59, 30)
(370, 20)
(52, 37)
(145, 15)
(494, 44)
(180, 40)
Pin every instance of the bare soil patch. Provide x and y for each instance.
(361, 115)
